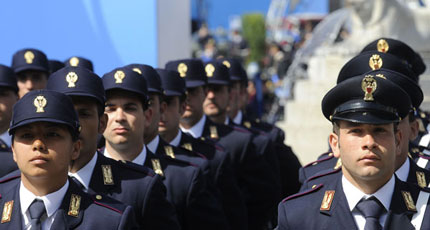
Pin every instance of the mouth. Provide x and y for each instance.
(38, 160)
(120, 130)
(370, 158)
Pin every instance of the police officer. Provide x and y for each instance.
(134, 185)
(219, 161)
(365, 111)
(255, 177)
(45, 131)
(31, 69)
(128, 119)
(80, 62)
(8, 97)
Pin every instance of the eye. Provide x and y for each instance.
(53, 134)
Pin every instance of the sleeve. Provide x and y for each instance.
(128, 220)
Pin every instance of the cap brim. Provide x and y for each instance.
(38, 119)
(30, 67)
(366, 117)
(172, 93)
(84, 94)
(192, 84)
(218, 82)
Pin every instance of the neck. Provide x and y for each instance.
(368, 186)
(126, 152)
(189, 122)
(219, 119)
(150, 137)
(400, 160)
(44, 186)
(233, 113)
(168, 136)
(82, 160)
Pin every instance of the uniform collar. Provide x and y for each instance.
(177, 140)
(52, 201)
(197, 130)
(354, 195)
(403, 172)
(152, 146)
(140, 159)
(227, 121)
(238, 118)
(84, 174)
(6, 138)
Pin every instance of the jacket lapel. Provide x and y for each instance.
(11, 200)
(399, 217)
(97, 178)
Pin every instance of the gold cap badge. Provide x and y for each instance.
(327, 200)
(382, 46)
(7, 212)
(226, 63)
(119, 75)
(29, 57)
(169, 151)
(156, 166)
(375, 62)
(137, 70)
(368, 85)
(214, 132)
(210, 69)
(74, 61)
(75, 204)
(182, 69)
(409, 201)
(107, 175)
(40, 103)
(71, 78)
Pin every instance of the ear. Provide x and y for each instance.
(415, 127)
(13, 153)
(398, 136)
(333, 140)
(76, 149)
(102, 123)
(148, 116)
(182, 107)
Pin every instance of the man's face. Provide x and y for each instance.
(126, 119)
(154, 105)
(44, 150)
(169, 120)
(91, 124)
(7, 99)
(217, 100)
(233, 106)
(368, 152)
(194, 103)
(30, 80)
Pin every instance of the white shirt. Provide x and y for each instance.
(177, 140)
(238, 118)
(6, 138)
(403, 172)
(197, 130)
(84, 174)
(227, 120)
(140, 159)
(354, 195)
(51, 201)
(152, 146)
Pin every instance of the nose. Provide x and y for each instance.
(29, 84)
(210, 94)
(369, 142)
(119, 115)
(38, 145)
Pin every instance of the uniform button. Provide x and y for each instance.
(313, 186)
(315, 163)
(99, 197)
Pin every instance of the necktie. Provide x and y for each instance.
(371, 209)
(36, 210)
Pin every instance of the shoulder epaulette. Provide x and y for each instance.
(319, 161)
(100, 200)
(136, 167)
(324, 174)
(178, 161)
(314, 189)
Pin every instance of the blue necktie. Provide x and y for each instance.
(372, 210)
(36, 210)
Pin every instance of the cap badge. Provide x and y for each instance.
(375, 62)
(137, 70)
(226, 63)
(156, 166)
(182, 69)
(29, 57)
(210, 69)
(40, 103)
(7, 212)
(74, 61)
(368, 85)
(380, 75)
(119, 75)
(75, 203)
(71, 78)
(382, 46)
(107, 175)
(327, 200)
(409, 201)
(169, 151)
